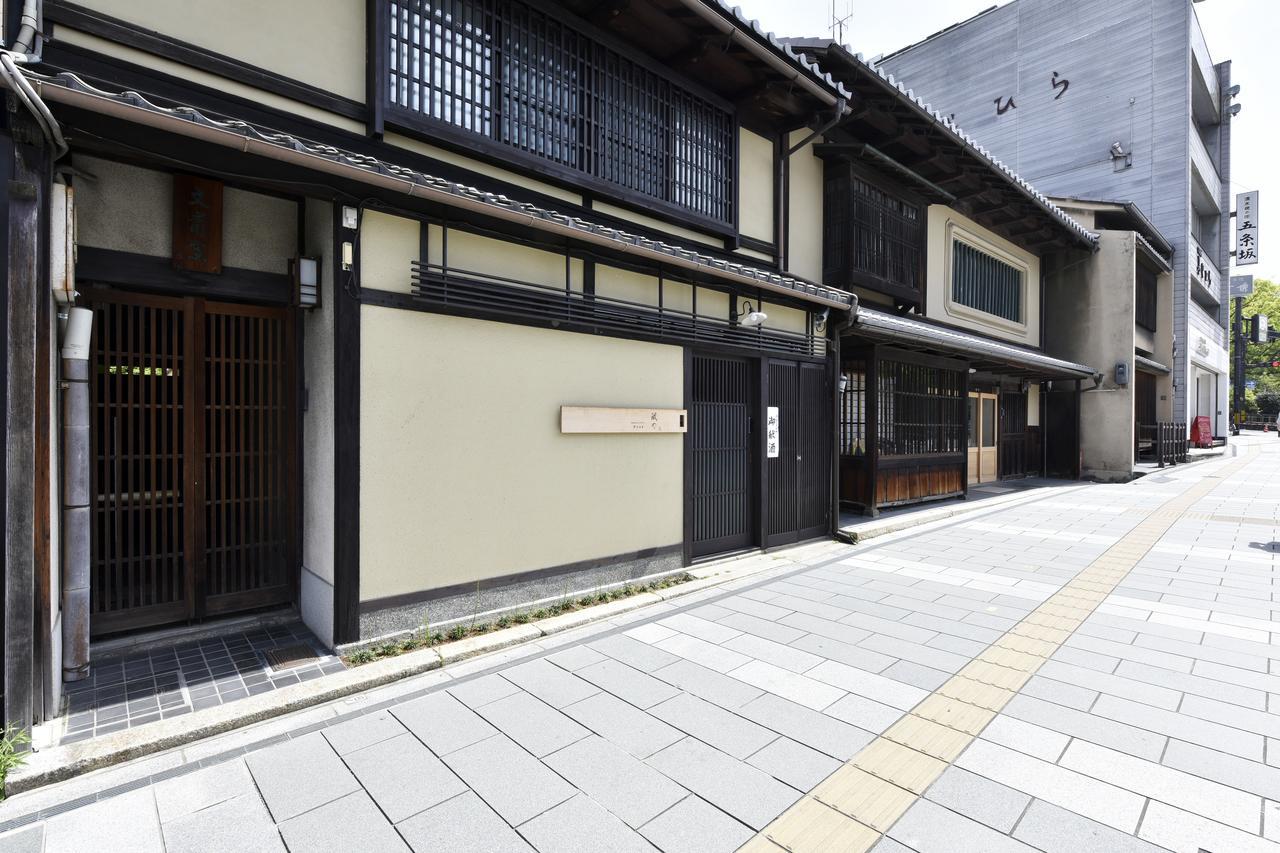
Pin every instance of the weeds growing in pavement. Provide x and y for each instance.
(424, 638)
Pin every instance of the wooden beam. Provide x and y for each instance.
(24, 161)
(346, 441)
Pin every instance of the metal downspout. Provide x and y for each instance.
(75, 494)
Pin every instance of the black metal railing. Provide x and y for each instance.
(1163, 443)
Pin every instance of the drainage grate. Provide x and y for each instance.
(289, 657)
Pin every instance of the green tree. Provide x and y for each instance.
(1265, 299)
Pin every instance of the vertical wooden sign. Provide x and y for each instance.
(197, 224)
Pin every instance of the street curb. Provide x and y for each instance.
(60, 763)
(915, 519)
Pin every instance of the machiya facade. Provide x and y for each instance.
(1118, 101)
(421, 312)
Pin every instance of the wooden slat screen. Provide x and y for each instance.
(985, 283)
(921, 409)
(720, 444)
(1145, 301)
(247, 455)
(139, 417)
(506, 71)
(871, 237)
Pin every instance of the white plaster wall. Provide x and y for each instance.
(755, 189)
(804, 211)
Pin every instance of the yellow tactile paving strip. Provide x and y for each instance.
(851, 809)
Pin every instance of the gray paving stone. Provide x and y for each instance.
(778, 654)
(627, 787)
(123, 824)
(957, 645)
(977, 797)
(463, 824)
(867, 714)
(766, 612)
(918, 675)
(442, 722)
(364, 730)
(758, 627)
(549, 682)
(888, 845)
(27, 839)
(631, 685)
(514, 784)
(1061, 693)
(1232, 715)
(930, 828)
(403, 776)
(1056, 830)
(1195, 684)
(845, 653)
(1114, 685)
(487, 688)
(714, 725)
(828, 628)
(351, 823)
(582, 824)
(1134, 740)
(1209, 763)
(241, 823)
(953, 628)
(708, 684)
(703, 629)
(299, 775)
(1181, 726)
(748, 794)
(695, 826)
(812, 728)
(623, 724)
(794, 763)
(532, 723)
(634, 653)
(200, 789)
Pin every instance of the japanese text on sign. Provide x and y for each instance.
(771, 432)
(1247, 228)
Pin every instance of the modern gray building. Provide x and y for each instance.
(1104, 100)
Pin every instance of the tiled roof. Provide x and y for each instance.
(918, 332)
(954, 130)
(69, 88)
(781, 46)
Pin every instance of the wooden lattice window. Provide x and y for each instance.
(533, 83)
(853, 409)
(985, 283)
(921, 409)
(871, 237)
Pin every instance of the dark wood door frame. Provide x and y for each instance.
(251, 457)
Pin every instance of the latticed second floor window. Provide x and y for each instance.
(985, 283)
(872, 238)
(506, 71)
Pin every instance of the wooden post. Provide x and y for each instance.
(24, 162)
(346, 441)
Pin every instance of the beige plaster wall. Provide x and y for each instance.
(755, 187)
(135, 56)
(447, 156)
(319, 42)
(804, 211)
(389, 245)
(464, 472)
(943, 226)
(130, 209)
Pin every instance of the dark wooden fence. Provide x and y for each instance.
(1163, 443)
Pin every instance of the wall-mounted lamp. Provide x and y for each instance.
(973, 370)
(844, 383)
(749, 316)
(1235, 109)
(820, 322)
(306, 281)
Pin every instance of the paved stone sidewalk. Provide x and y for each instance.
(1150, 726)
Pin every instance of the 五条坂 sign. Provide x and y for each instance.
(197, 224)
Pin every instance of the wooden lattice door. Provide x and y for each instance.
(194, 447)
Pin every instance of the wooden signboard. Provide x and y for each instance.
(197, 224)
(587, 419)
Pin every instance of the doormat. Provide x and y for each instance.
(290, 657)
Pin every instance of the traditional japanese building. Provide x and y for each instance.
(946, 378)
(1102, 100)
(401, 311)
